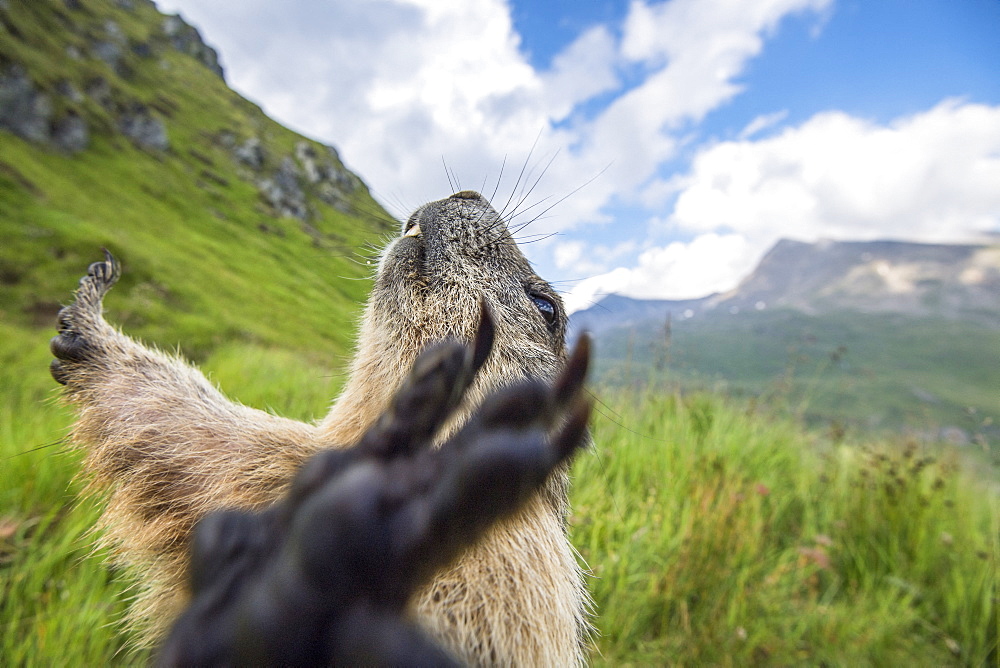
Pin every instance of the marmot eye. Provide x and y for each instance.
(545, 307)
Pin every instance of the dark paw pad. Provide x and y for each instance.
(58, 372)
(70, 347)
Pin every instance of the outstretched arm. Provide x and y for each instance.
(324, 576)
(164, 439)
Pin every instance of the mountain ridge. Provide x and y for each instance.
(956, 281)
(878, 335)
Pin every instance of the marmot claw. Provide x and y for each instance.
(108, 271)
(71, 345)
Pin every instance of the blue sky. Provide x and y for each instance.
(686, 136)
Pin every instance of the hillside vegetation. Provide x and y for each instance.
(716, 534)
(932, 378)
(875, 336)
(211, 201)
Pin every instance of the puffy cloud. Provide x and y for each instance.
(681, 270)
(399, 85)
(931, 176)
(761, 123)
(586, 259)
(704, 44)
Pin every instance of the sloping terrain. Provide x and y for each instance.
(244, 245)
(117, 130)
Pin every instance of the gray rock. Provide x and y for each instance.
(283, 192)
(110, 53)
(114, 32)
(24, 110)
(287, 176)
(99, 90)
(333, 183)
(142, 49)
(70, 133)
(334, 196)
(144, 129)
(112, 48)
(306, 155)
(251, 153)
(186, 39)
(67, 89)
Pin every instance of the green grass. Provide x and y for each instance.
(853, 370)
(719, 536)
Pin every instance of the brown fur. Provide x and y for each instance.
(170, 447)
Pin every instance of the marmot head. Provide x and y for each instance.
(453, 255)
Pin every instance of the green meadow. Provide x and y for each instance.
(715, 532)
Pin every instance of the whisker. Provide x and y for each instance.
(527, 160)
(499, 178)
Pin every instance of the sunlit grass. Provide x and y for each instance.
(718, 536)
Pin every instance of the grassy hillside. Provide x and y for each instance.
(881, 372)
(190, 222)
(715, 534)
(211, 268)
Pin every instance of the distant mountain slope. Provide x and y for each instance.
(935, 280)
(117, 129)
(954, 281)
(879, 334)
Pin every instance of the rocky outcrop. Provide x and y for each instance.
(311, 172)
(145, 130)
(27, 111)
(24, 110)
(70, 133)
(186, 39)
(111, 48)
(251, 154)
(283, 192)
(333, 183)
(99, 90)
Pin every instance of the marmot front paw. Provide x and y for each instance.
(324, 575)
(76, 321)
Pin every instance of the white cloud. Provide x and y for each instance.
(761, 123)
(932, 176)
(928, 177)
(584, 259)
(704, 44)
(397, 85)
(709, 263)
